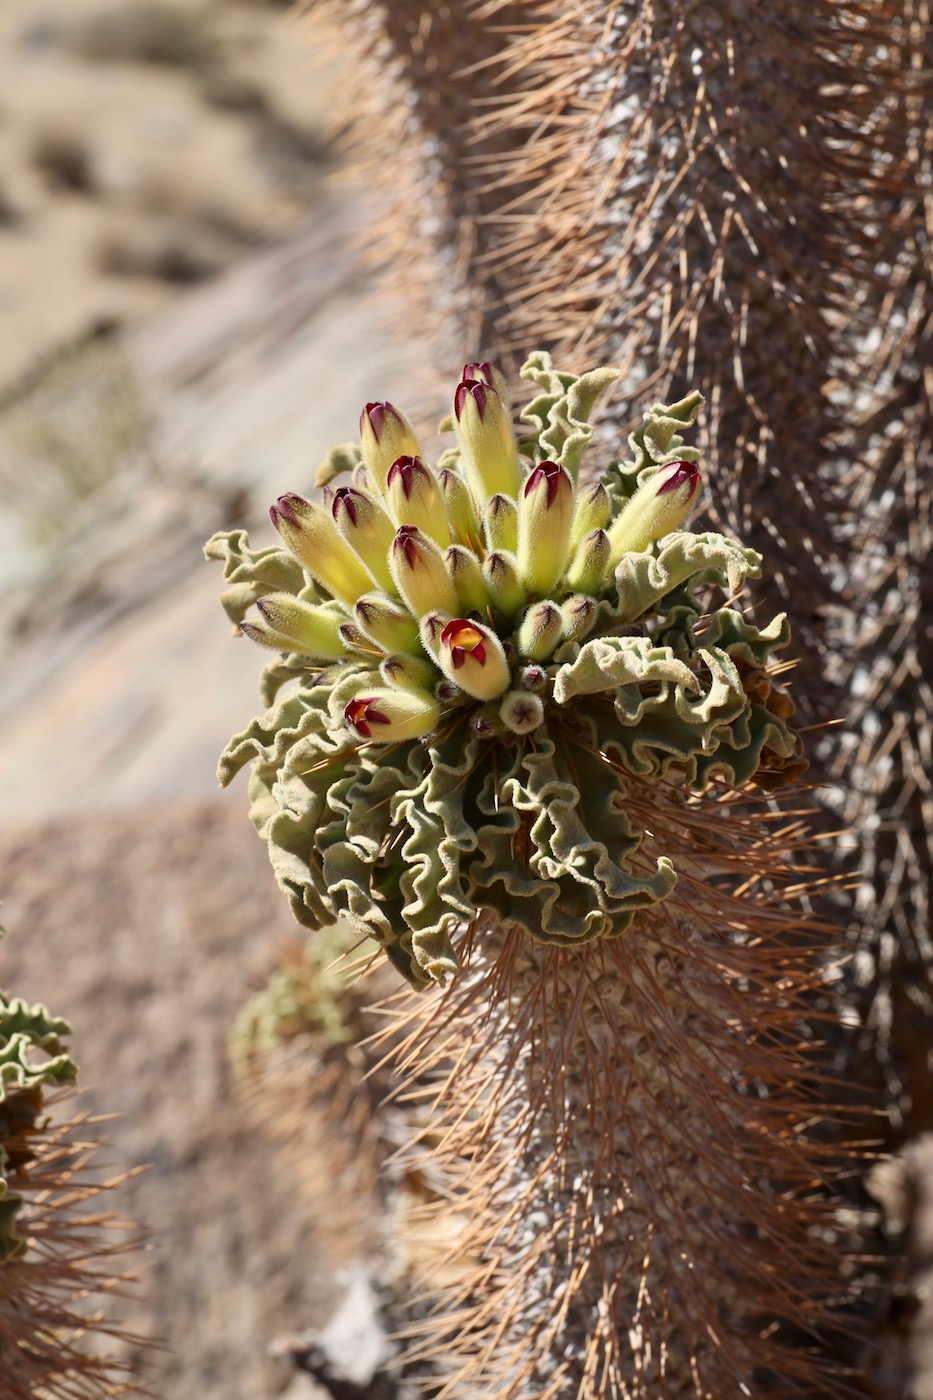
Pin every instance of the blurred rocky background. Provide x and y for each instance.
(184, 330)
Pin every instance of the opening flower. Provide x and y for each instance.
(472, 655)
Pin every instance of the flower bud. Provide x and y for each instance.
(591, 512)
(414, 498)
(579, 615)
(541, 631)
(408, 671)
(545, 515)
(588, 570)
(391, 716)
(486, 725)
(367, 530)
(500, 573)
(533, 678)
(310, 533)
(467, 579)
(521, 711)
(385, 435)
(489, 374)
(656, 508)
(490, 454)
(471, 655)
(418, 570)
(312, 629)
(461, 516)
(355, 640)
(387, 623)
(500, 523)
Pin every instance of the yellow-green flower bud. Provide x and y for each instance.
(579, 615)
(310, 533)
(521, 711)
(490, 453)
(290, 624)
(408, 671)
(500, 573)
(387, 623)
(418, 570)
(391, 715)
(500, 523)
(541, 631)
(656, 508)
(591, 513)
(367, 530)
(385, 435)
(461, 515)
(414, 498)
(588, 570)
(545, 515)
(471, 655)
(487, 373)
(355, 640)
(467, 579)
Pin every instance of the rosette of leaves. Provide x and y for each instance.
(32, 1060)
(477, 660)
(57, 1250)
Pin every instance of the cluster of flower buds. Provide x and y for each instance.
(459, 585)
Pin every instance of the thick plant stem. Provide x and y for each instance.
(736, 196)
(623, 1131)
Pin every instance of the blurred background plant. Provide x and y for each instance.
(60, 1257)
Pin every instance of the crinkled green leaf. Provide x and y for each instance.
(562, 410)
(339, 460)
(32, 1059)
(643, 578)
(606, 663)
(25, 1029)
(254, 572)
(653, 443)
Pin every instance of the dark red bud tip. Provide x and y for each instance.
(686, 472)
(360, 714)
(287, 506)
(464, 639)
(478, 369)
(407, 468)
(343, 500)
(263, 607)
(376, 413)
(475, 389)
(406, 542)
(274, 516)
(549, 472)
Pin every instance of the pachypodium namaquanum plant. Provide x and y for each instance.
(32, 1060)
(476, 658)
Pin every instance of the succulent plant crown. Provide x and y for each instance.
(477, 660)
(32, 1059)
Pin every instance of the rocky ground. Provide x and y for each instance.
(183, 332)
